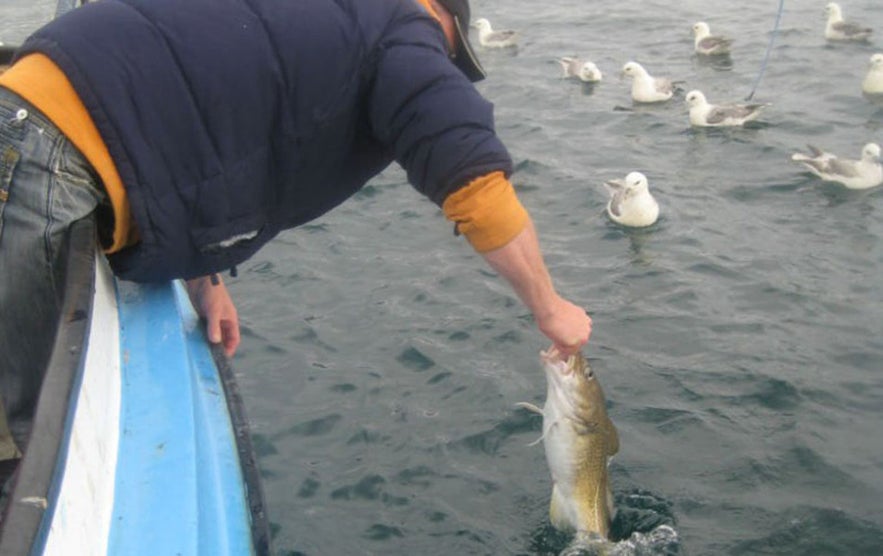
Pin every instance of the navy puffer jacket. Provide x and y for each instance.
(230, 120)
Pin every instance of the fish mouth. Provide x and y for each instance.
(552, 357)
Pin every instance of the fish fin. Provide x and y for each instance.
(557, 513)
(611, 508)
(614, 440)
(534, 409)
(530, 407)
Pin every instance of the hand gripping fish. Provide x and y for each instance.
(579, 440)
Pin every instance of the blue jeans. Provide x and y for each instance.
(45, 185)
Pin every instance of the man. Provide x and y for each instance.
(198, 130)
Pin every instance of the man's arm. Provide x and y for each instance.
(487, 211)
(521, 262)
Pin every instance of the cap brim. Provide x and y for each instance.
(466, 59)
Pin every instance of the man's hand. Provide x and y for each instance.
(213, 303)
(567, 325)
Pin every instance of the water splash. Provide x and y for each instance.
(661, 541)
(644, 525)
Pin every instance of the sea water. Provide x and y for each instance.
(738, 339)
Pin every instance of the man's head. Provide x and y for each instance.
(455, 20)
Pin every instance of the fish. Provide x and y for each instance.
(579, 439)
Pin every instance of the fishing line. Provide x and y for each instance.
(769, 48)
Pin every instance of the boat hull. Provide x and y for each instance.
(139, 443)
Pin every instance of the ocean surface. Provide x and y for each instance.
(739, 340)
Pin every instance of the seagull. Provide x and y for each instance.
(839, 30)
(631, 203)
(873, 82)
(583, 70)
(706, 43)
(645, 87)
(854, 174)
(703, 114)
(489, 38)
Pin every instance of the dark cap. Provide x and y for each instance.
(464, 56)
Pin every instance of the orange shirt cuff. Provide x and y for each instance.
(487, 211)
(36, 78)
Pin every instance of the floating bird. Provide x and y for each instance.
(873, 82)
(583, 70)
(854, 174)
(707, 44)
(631, 203)
(839, 30)
(703, 114)
(489, 38)
(645, 87)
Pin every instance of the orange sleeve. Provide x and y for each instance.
(487, 211)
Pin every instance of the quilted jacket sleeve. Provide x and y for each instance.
(438, 125)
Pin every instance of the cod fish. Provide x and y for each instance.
(579, 440)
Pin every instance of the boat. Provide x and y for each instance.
(139, 444)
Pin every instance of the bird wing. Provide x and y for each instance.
(616, 202)
(815, 151)
(714, 43)
(616, 188)
(844, 168)
(848, 28)
(663, 85)
(719, 114)
(501, 35)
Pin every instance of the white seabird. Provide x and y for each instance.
(873, 82)
(703, 114)
(489, 38)
(631, 203)
(854, 174)
(839, 30)
(645, 87)
(582, 70)
(707, 44)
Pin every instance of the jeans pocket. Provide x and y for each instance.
(8, 160)
(71, 167)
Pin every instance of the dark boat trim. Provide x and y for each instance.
(260, 526)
